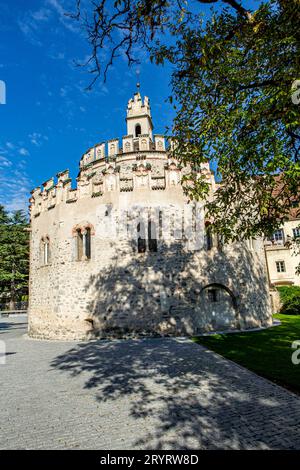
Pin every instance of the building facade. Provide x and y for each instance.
(282, 257)
(126, 252)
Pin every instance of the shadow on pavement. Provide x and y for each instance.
(194, 398)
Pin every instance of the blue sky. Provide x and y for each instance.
(49, 119)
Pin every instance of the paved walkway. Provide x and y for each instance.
(148, 394)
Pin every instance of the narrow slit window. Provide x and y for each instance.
(209, 238)
(141, 240)
(46, 251)
(152, 240)
(160, 224)
(79, 245)
(88, 243)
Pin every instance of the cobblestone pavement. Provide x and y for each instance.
(148, 394)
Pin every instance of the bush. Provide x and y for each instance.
(290, 299)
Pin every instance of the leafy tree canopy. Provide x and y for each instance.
(235, 92)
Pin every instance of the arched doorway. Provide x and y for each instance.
(220, 307)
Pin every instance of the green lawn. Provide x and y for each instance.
(267, 352)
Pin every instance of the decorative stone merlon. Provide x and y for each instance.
(127, 144)
(100, 151)
(160, 145)
(113, 147)
(49, 184)
(95, 181)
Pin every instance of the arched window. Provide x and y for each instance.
(219, 293)
(152, 239)
(141, 238)
(83, 238)
(221, 304)
(84, 244)
(150, 242)
(87, 243)
(138, 130)
(45, 247)
(79, 240)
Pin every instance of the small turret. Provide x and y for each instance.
(139, 121)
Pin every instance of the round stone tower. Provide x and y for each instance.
(126, 253)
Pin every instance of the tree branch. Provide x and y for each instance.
(234, 4)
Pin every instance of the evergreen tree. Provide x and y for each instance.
(14, 255)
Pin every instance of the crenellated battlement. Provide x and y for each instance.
(112, 175)
(112, 148)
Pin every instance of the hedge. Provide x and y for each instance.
(290, 299)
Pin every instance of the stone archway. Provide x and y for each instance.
(220, 307)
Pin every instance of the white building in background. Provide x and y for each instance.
(282, 258)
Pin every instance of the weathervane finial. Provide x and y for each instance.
(138, 85)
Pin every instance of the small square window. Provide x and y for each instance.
(280, 266)
(296, 232)
(212, 295)
(278, 236)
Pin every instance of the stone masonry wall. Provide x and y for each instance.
(122, 292)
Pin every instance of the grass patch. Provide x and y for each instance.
(266, 352)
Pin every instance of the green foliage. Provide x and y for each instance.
(232, 86)
(290, 298)
(292, 307)
(288, 292)
(235, 94)
(14, 255)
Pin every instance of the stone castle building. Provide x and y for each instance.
(127, 253)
